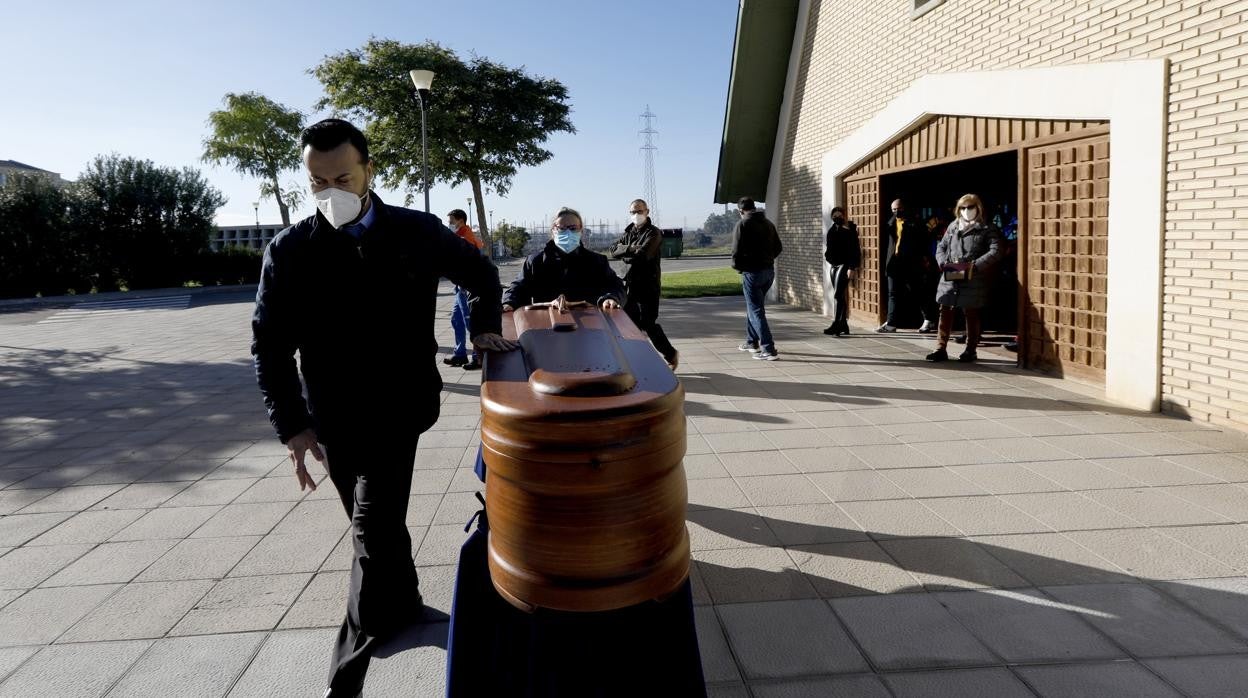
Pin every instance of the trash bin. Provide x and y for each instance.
(583, 436)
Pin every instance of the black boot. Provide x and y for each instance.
(939, 355)
(968, 356)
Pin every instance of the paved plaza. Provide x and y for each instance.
(863, 523)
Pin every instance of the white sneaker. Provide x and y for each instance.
(885, 328)
(766, 355)
(927, 326)
(750, 347)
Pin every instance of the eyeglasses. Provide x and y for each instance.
(642, 212)
(967, 208)
(572, 227)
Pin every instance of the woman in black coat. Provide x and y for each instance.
(966, 254)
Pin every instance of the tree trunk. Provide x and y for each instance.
(281, 205)
(481, 215)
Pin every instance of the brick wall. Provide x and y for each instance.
(858, 55)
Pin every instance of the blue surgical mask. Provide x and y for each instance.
(567, 240)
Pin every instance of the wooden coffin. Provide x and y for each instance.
(583, 436)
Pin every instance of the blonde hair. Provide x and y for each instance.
(969, 200)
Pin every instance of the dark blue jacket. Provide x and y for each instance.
(581, 275)
(361, 315)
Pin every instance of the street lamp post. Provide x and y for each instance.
(470, 212)
(423, 80)
(256, 205)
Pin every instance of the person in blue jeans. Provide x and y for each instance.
(457, 221)
(755, 246)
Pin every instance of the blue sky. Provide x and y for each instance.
(140, 77)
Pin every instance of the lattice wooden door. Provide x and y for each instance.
(862, 199)
(1067, 248)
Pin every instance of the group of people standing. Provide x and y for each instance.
(929, 269)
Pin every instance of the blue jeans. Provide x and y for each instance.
(459, 322)
(755, 284)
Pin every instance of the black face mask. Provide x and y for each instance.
(899, 213)
(839, 220)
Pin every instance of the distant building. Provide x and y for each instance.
(11, 168)
(255, 237)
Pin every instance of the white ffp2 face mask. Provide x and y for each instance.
(339, 207)
(968, 214)
(639, 219)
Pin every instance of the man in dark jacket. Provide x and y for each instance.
(843, 253)
(640, 248)
(908, 264)
(353, 290)
(564, 267)
(755, 246)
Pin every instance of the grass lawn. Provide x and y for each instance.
(701, 282)
(705, 251)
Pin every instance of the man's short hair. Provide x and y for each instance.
(639, 201)
(746, 204)
(565, 211)
(458, 214)
(328, 134)
(838, 208)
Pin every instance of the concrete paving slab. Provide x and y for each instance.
(835, 687)
(245, 519)
(1005, 478)
(718, 664)
(856, 486)
(142, 495)
(204, 666)
(789, 638)
(1145, 622)
(72, 499)
(208, 492)
(717, 493)
(111, 563)
(14, 500)
(290, 664)
(199, 558)
(1025, 626)
(1051, 558)
(1150, 553)
(810, 524)
(1209, 677)
(321, 604)
(17, 529)
(12, 657)
(26, 567)
(89, 527)
(901, 518)
(40, 615)
(1069, 511)
(851, 569)
(909, 631)
(1155, 507)
(243, 604)
(950, 563)
(752, 574)
(717, 529)
(957, 683)
(1114, 680)
(1219, 600)
(170, 522)
(73, 671)
(284, 553)
(137, 611)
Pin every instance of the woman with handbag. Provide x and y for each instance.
(966, 254)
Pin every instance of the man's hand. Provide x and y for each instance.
(493, 342)
(507, 308)
(610, 304)
(297, 446)
(849, 274)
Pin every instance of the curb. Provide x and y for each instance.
(18, 303)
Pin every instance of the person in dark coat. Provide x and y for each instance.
(353, 290)
(843, 253)
(907, 264)
(966, 255)
(640, 247)
(755, 246)
(565, 267)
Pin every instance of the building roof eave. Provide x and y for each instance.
(760, 64)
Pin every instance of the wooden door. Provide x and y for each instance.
(1067, 253)
(862, 197)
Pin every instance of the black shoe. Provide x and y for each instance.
(938, 355)
(455, 361)
(960, 339)
(844, 328)
(832, 329)
(474, 365)
(968, 356)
